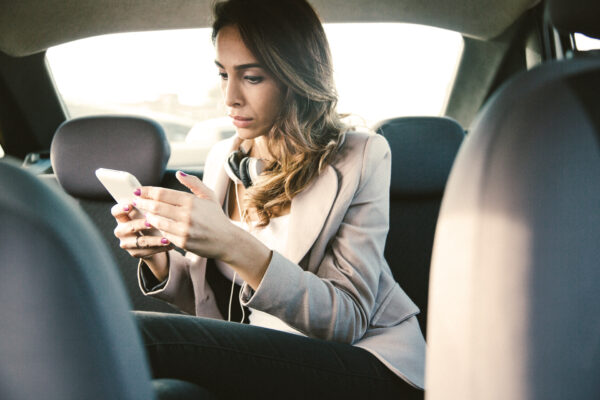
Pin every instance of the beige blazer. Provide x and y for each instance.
(332, 281)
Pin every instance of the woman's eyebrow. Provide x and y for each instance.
(240, 67)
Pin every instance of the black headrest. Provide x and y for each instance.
(66, 330)
(581, 16)
(82, 145)
(423, 151)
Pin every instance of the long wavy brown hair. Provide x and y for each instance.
(287, 38)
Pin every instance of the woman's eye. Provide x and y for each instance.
(223, 75)
(254, 79)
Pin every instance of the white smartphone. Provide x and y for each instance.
(120, 184)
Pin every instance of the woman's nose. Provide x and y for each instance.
(233, 95)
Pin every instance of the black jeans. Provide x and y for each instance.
(233, 360)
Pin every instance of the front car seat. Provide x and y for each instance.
(65, 330)
(514, 310)
(134, 144)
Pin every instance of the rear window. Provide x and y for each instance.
(381, 71)
(585, 43)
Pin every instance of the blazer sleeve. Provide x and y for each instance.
(177, 289)
(338, 300)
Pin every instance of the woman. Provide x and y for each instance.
(304, 238)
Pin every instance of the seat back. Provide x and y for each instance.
(65, 330)
(514, 310)
(133, 144)
(423, 150)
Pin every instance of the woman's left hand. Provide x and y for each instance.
(192, 221)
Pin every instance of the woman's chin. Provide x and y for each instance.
(248, 134)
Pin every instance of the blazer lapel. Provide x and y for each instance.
(308, 213)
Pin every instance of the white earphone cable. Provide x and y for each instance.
(242, 217)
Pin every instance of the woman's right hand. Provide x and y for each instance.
(141, 240)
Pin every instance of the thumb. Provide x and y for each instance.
(195, 185)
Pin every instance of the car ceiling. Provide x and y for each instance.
(31, 26)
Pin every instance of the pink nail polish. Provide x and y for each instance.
(126, 208)
(134, 204)
(182, 173)
(147, 224)
(164, 240)
(137, 192)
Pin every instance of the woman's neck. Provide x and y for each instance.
(260, 148)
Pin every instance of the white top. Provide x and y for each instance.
(274, 236)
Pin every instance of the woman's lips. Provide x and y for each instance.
(241, 122)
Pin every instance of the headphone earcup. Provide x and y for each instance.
(244, 174)
(255, 167)
(243, 169)
(232, 166)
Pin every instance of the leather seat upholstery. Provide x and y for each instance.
(65, 330)
(514, 310)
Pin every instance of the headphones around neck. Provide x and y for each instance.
(243, 169)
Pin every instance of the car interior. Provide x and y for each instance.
(494, 203)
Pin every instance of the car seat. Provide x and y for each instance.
(423, 150)
(514, 310)
(134, 144)
(66, 332)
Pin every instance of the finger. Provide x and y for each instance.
(162, 209)
(144, 242)
(164, 195)
(168, 226)
(143, 253)
(176, 232)
(195, 185)
(121, 211)
(132, 227)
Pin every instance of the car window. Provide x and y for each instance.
(381, 71)
(585, 43)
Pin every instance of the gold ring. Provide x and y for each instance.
(137, 244)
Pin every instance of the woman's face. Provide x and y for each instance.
(252, 96)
